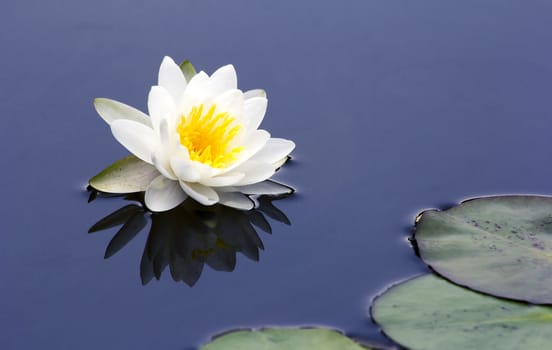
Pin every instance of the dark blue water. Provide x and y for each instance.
(395, 106)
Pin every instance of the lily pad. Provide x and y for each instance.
(431, 313)
(126, 175)
(284, 339)
(497, 245)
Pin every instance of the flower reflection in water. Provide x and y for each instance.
(191, 235)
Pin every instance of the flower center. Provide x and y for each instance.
(207, 136)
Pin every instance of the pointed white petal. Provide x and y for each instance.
(274, 151)
(254, 93)
(163, 194)
(252, 145)
(254, 110)
(111, 110)
(223, 180)
(160, 105)
(230, 102)
(172, 78)
(279, 163)
(223, 79)
(265, 187)
(184, 169)
(198, 86)
(135, 137)
(254, 172)
(203, 194)
(161, 161)
(236, 200)
(204, 170)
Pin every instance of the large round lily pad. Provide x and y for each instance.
(284, 339)
(497, 245)
(430, 313)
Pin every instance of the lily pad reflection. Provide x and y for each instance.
(191, 235)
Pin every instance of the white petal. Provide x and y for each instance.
(279, 163)
(265, 187)
(254, 93)
(197, 87)
(160, 105)
(203, 194)
(223, 180)
(135, 137)
(254, 111)
(183, 169)
(161, 156)
(205, 170)
(172, 78)
(111, 110)
(163, 194)
(231, 102)
(236, 200)
(254, 172)
(161, 161)
(274, 151)
(256, 141)
(223, 79)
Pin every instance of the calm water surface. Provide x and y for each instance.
(395, 106)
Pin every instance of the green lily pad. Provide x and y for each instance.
(497, 245)
(284, 339)
(188, 69)
(126, 175)
(431, 313)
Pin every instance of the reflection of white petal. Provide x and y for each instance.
(135, 137)
(254, 172)
(172, 78)
(223, 79)
(265, 187)
(223, 180)
(203, 194)
(254, 93)
(236, 200)
(163, 194)
(254, 111)
(111, 110)
(184, 169)
(160, 105)
(275, 150)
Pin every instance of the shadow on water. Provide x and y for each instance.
(191, 235)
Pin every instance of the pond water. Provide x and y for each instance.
(395, 107)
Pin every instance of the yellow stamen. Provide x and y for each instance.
(208, 136)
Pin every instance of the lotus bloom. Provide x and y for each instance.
(202, 136)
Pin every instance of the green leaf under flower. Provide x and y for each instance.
(188, 69)
(126, 175)
(497, 245)
(431, 313)
(284, 339)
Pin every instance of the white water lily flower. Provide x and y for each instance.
(202, 136)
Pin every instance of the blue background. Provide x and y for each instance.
(395, 107)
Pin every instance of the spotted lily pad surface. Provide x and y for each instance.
(284, 339)
(431, 313)
(126, 175)
(497, 245)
